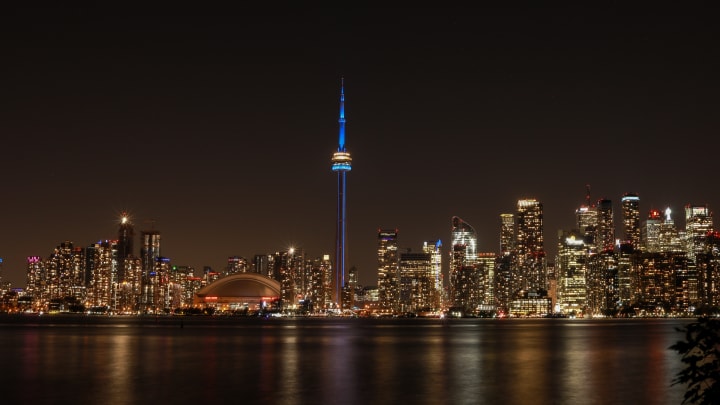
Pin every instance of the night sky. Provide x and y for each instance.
(216, 126)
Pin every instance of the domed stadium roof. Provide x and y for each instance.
(243, 285)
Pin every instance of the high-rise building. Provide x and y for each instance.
(126, 236)
(388, 262)
(630, 203)
(571, 270)
(698, 225)
(149, 254)
(320, 283)
(464, 277)
(669, 239)
(235, 265)
(605, 239)
(464, 235)
(651, 231)
(415, 282)
(103, 270)
(486, 264)
(507, 234)
(341, 163)
(434, 249)
(530, 247)
(587, 221)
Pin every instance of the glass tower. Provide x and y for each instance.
(630, 203)
(388, 262)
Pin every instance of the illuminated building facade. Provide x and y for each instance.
(669, 239)
(651, 231)
(571, 271)
(321, 283)
(605, 236)
(529, 273)
(698, 225)
(341, 164)
(630, 204)
(125, 245)
(416, 284)
(486, 262)
(388, 262)
(507, 234)
(464, 277)
(103, 270)
(149, 254)
(434, 249)
(236, 264)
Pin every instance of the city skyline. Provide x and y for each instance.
(216, 129)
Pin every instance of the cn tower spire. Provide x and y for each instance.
(341, 163)
(341, 121)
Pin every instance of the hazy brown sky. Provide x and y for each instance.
(216, 126)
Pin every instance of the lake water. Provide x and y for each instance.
(182, 360)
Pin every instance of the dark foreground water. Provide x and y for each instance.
(179, 360)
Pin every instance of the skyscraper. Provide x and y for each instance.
(529, 245)
(126, 235)
(149, 254)
(388, 262)
(464, 277)
(698, 223)
(587, 219)
(631, 219)
(605, 240)
(341, 164)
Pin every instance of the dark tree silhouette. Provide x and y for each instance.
(700, 352)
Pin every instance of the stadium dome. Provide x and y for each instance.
(249, 290)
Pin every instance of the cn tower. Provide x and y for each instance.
(341, 163)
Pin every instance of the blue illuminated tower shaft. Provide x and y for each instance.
(341, 235)
(341, 164)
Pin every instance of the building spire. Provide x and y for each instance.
(341, 140)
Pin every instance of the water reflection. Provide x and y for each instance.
(345, 361)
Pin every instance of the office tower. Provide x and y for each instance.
(530, 247)
(350, 288)
(415, 282)
(236, 264)
(464, 235)
(321, 283)
(261, 264)
(571, 271)
(630, 203)
(434, 248)
(651, 231)
(387, 269)
(103, 274)
(587, 220)
(149, 253)
(668, 236)
(36, 280)
(503, 284)
(605, 239)
(126, 236)
(464, 278)
(341, 164)
(698, 224)
(291, 265)
(60, 272)
(507, 234)
(486, 263)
